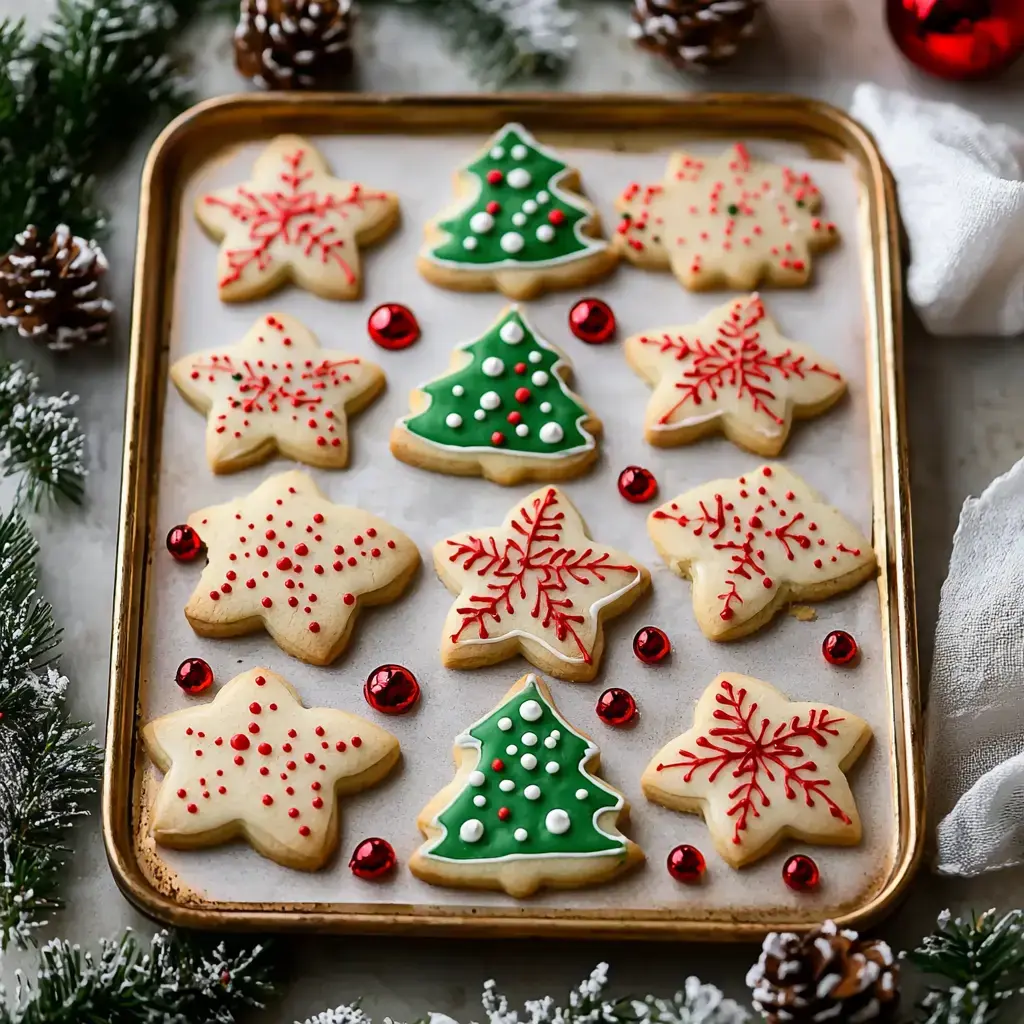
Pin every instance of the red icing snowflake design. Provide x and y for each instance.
(294, 219)
(535, 581)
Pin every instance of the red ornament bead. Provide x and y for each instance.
(522, 394)
(686, 864)
(373, 858)
(651, 644)
(556, 217)
(391, 689)
(592, 321)
(616, 707)
(497, 438)
(183, 543)
(839, 647)
(801, 874)
(495, 176)
(637, 484)
(392, 326)
(493, 207)
(194, 676)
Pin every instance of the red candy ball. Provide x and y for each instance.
(801, 874)
(651, 644)
(686, 864)
(637, 484)
(183, 543)
(839, 647)
(616, 707)
(391, 689)
(194, 676)
(373, 858)
(392, 326)
(592, 321)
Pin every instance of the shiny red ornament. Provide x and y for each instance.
(651, 644)
(391, 689)
(839, 647)
(637, 484)
(592, 321)
(958, 39)
(616, 707)
(183, 543)
(686, 864)
(801, 874)
(194, 675)
(373, 858)
(392, 326)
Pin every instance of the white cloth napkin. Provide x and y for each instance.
(960, 185)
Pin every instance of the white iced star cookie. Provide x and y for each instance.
(276, 390)
(729, 221)
(753, 544)
(294, 221)
(287, 560)
(734, 372)
(255, 763)
(760, 767)
(536, 585)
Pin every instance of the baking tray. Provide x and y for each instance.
(860, 886)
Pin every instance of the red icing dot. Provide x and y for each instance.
(266, 602)
(801, 874)
(314, 627)
(651, 644)
(686, 864)
(267, 799)
(240, 741)
(392, 326)
(373, 858)
(183, 543)
(616, 707)
(637, 484)
(356, 741)
(254, 708)
(592, 321)
(293, 812)
(391, 689)
(303, 830)
(264, 748)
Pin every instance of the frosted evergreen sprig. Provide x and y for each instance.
(697, 1003)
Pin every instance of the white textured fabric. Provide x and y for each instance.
(960, 185)
(975, 718)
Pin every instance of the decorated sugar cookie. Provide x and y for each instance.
(276, 390)
(255, 763)
(732, 372)
(526, 809)
(729, 221)
(519, 225)
(751, 545)
(760, 767)
(287, 560)
(293, 220)
(536, 585)
(504, 411)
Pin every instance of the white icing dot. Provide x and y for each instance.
(519, 151)
(511, 749)
(545, 407)
(540, 378)
(497, 152)
(521, 835)
(530, 710)
(506, 785)
(532, 792)
(535, 356)
(529, 739)
(556, 734)
(472, 830)
(480, 800)
(481, 221)
(522, 430)
(551, 767)
(469, 242)
(542, 197)
(453, 420)
(582, 794)
(518, 177)
(545, 233)
(528, 761)
(557, 822)
(519, 219)
(479, 414)
(458, 390)
(529, 206)
(511, 333)
(490, 400)
(511, 241)
(551, 743)
(493, 366)
(551, 433)
(504, 724)
(476, 778)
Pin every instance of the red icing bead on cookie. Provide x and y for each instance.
(592, 321)
(391, 689)
(637, 484)
(686, 864)
(373, 858)
(651, 644)
(393, 326)
(616, 707)
(183, 543)
(839, 648)
(194, 675)
(801, 874)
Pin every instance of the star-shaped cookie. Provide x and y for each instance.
(725, 222)
(287, 560)
(761, 767)
(753, 544)
(733, 372)
(294, 221)
(537, 585)
(255, 763)
(276, 390)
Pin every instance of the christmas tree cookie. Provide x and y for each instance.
(504, 411)
(276, 390)
(526, 809)
(255, 763)
(731, 372)
(294, 221)
(753, 544)
(537, 585)
(519, 226)
(725, 222)
(760, 767)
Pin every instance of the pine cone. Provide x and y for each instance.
(826, 975)
(694, 34)
(49, 289)
(295, 44)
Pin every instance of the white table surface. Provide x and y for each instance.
(965, 428)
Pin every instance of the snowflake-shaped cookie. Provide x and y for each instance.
(760, 767)
(726, 221)
(254, 762)
(537, 585)
(294, 221)
(753, 544)
(277, 389)
(732, 371)
(286, 559)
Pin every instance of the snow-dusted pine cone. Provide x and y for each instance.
(49, 289)
(295, 44)
(694, 34)
(825, 975)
